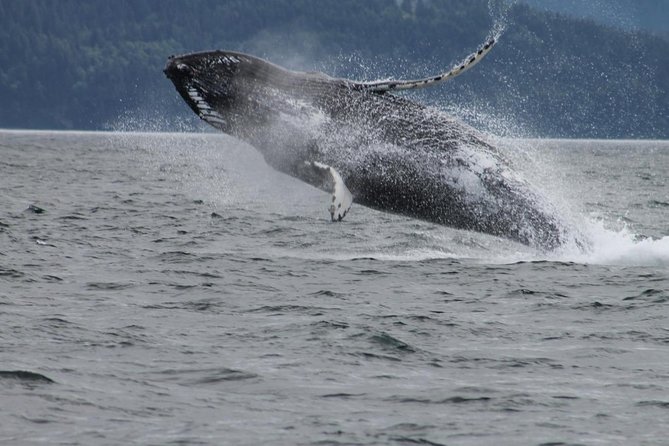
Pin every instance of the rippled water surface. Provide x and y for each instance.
(173, 289)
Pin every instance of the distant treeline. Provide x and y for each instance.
(649, 15)
(82, 64)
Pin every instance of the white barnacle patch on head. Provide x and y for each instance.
(225, 60)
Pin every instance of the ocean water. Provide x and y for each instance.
(172, 289)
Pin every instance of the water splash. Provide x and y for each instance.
(151, 119)
(499, 12)
(623, 247)
(605, 246)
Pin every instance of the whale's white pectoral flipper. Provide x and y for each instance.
(342, 199)
(457, 70)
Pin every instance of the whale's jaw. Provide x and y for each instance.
(206, 85)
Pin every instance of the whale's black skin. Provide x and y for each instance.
(394, 154)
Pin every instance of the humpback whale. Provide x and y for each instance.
(364, 144)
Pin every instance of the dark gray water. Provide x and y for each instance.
(176, 290)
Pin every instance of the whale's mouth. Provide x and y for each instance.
(206, 82)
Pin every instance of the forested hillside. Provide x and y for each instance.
(74, 64)
(649, 15)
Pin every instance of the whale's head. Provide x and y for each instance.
(235, 92)
(278, 111)
(209, 83)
